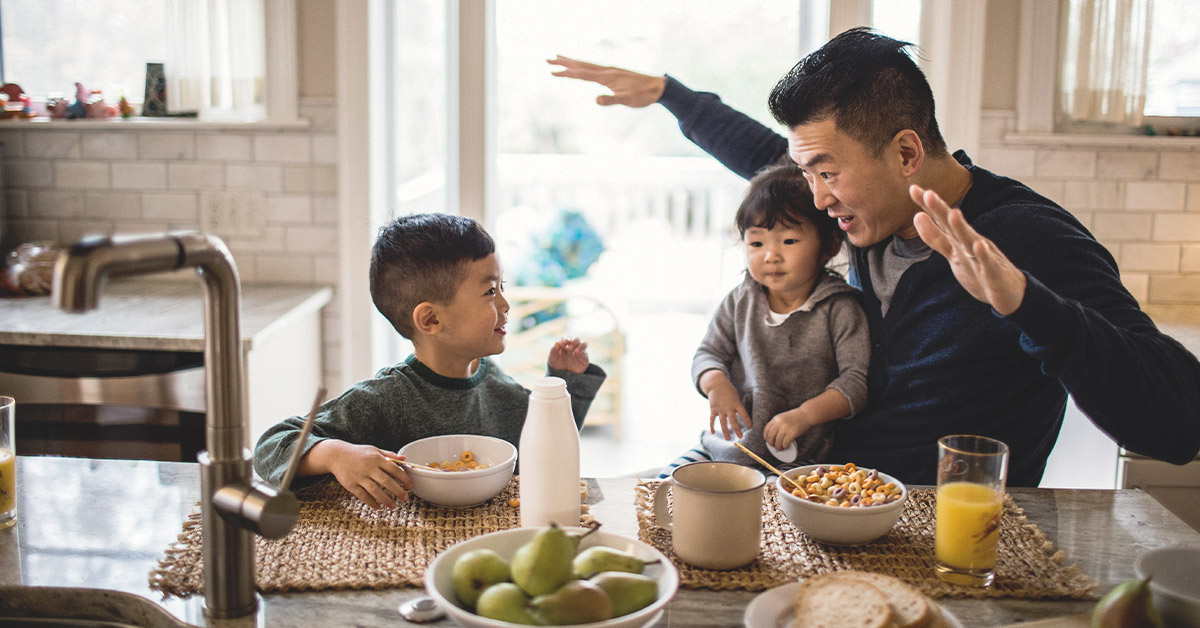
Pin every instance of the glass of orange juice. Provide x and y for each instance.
(972, 471)
(8, 463)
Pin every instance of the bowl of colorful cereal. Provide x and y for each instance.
(841, 504)
(459, 470)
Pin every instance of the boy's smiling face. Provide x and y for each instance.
(473, 323)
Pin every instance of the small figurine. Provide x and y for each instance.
(125, 107)
(78, 109)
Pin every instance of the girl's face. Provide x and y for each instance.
(787, 260)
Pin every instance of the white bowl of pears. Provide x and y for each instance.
(552, 576)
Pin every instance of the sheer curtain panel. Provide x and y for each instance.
(1106, 46)
(216, 58)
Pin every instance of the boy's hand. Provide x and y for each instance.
(370, 474)
(569, 354)
(724, 405)
(785, 427)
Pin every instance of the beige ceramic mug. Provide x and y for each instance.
(715, 517)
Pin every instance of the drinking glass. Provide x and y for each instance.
(972, 471)
(8, 463)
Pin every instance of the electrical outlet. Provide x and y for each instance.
(233, 212)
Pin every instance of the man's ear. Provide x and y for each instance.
(909, 150)
(425, 318)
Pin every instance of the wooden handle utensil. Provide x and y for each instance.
(768, 465)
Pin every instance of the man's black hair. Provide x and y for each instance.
(868, 84)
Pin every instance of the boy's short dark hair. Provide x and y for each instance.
(868, 84)
(422, 257)
(779, 194)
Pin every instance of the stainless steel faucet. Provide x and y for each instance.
(233, 503)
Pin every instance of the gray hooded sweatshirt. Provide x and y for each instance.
(777, 366)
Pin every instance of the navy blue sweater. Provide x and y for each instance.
(943, 362)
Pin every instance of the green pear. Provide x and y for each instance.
(576, 602)
(544, 563)
(1128, 605)
(598, 558)
(475, 571)
(505, 602)
(629, 592)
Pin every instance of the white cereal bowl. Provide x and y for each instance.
(834, 525)
(506, 542)
(1174, 583)
(460, 489)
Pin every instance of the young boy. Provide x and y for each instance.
(436, 278)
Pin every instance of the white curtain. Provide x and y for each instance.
(1105, 55)
(216, 58)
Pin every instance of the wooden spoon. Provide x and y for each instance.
(768, 465)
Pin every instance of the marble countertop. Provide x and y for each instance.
(105, 523)
(151, 315)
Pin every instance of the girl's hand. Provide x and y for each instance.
(370, 474)
(569, 354)
(724, 405)
(785, 427)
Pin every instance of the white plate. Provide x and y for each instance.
(773, 609)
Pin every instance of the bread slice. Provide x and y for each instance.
(910, 607)
(824, 602)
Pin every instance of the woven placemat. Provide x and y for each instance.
(341, 543)
(1028, 566)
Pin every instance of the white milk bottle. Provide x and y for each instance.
(549, 458)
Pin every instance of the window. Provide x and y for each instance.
(48, 46)
(231, 59)
(1173, 77)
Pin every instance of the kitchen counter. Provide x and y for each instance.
(105, 523)
(152, 315)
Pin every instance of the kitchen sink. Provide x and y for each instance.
(70, 607)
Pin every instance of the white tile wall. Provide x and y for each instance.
(64, 182)
(1142, 202)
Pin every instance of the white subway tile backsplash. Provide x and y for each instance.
(76, 230)
(55, 203)
(325, 149)
(1114, 226)
(325, 210)
(172, 206)
(1068, 164)
(283, 148)
(223, 147)
(16, 203)
(167, 145)
(81, 174)
(293, 209)
(1179, 166)
(272, 240)
(13, 143)
(1127, 165)
(28, 174)
(1138, 284)
(1176, 228)
(106, 145)
(325, 269)
(1190, 261)
(1093, 195)
(35, 229)
(1170, 288)
(53, 145)
(1010, 162)
(112, 205)
(1193, 197)
(297, 180)
(1154, 195)
(325, 180)
(285, 268)
(195, 176)
(1150, 257)
(1051, 189)
(139, 176)
(303, 239)
(265, 178)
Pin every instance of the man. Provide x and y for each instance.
(987, 302)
